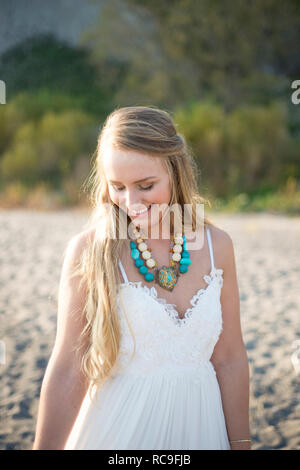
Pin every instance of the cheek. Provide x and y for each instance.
(164, 194)
(161, 195)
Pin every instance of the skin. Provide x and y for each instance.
(64, 386)
(122, 169)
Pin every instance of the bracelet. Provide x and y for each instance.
(242, 440)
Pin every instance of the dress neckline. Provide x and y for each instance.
(171, 309)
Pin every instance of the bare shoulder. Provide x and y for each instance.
(78, 243)
(84, 237)
(222, 246)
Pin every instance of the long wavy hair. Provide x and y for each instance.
(150, 131)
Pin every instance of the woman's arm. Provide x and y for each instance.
(62, 393)
(64, 385)
(230, 357)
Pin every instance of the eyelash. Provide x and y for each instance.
(143, 189)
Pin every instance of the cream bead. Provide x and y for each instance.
(142, 246)
(139, 240)
(177, 248)
(146, 254)
(178, 240)
(140, 236)
(176, 257)
(150, 263)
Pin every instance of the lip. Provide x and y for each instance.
(140, 215)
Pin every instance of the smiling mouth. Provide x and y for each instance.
(139, 214)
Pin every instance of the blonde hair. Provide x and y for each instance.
(150, 131)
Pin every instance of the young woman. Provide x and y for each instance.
(149, 351)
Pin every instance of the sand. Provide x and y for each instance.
(267, 250)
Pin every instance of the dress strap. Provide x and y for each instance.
(210, 248)
(123, 272)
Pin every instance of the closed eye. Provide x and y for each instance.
(142, 188)
(147, 188)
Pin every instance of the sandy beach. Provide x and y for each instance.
(267, 250)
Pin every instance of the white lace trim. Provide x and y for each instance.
(216, 274)
(165, 342)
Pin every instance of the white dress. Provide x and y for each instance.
(168, 396)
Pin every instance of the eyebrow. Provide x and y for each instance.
(139, 181)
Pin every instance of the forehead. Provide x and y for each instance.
(128, 165)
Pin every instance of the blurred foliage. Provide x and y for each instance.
(47, 66)
(286, 200)
(49, 148)
(49, 126)
(126, 50)
(222, 69)
(241, 51)
(247, 149)
(41, 197)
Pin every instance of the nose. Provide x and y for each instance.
(133, 201)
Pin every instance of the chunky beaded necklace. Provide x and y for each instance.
(166, 276)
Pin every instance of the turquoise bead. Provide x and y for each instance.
(184, 247)
(183, 268)
(184, 237)
(185, 261)
(185, 254)
(143, 269)
(138, 262)
(135, 253)
(149, 277)
(132, 245)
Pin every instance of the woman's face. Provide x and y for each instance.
(137, 181)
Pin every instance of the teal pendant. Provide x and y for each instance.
(166, 277)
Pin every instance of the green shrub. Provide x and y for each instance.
(245, 150)
(11, 118)
(258, 146)
(49, 148)
(45, 63)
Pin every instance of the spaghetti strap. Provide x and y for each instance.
(210, 248)
(123, 272)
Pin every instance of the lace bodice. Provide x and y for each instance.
(166, 343)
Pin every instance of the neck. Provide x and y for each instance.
(158, 235)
